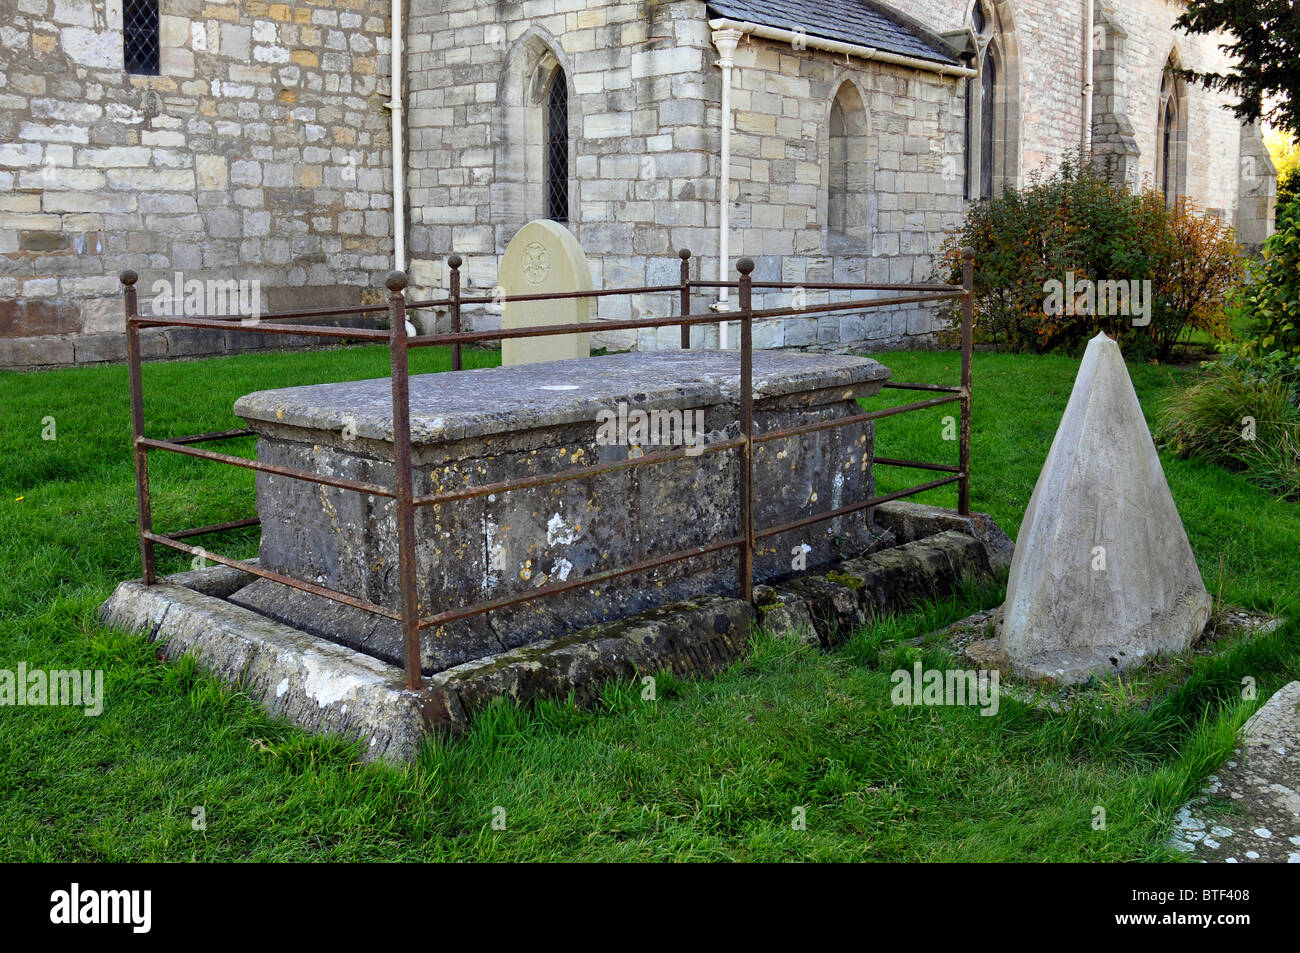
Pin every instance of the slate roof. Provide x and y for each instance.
(864, 22)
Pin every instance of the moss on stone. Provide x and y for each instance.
(844, 579)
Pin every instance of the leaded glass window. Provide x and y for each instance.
(140, 36)
(557, 149)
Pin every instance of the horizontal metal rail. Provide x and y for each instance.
(454, 615)
(208, 437)
(938, 388)
(576, 473)
(214, 528)
(913, 464)
(263, 327)
(853, 507)
(546, 296)
(278, 315)
(673, 289)
(854, 419)
(373, 489)
(864, 304)
(830, 286)
(172, 542)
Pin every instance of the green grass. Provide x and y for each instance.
(711, 770)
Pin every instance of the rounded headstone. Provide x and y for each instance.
(543, 258)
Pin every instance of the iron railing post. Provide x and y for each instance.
(967, 346)
(454, 263)
(404, 489)
(745, 294)
(685, 256)
(143, 508)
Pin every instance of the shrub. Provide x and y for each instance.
(1245, 415)
(1077, 229)
(1196, 264)
(1272, 300)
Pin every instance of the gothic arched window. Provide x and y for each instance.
(1171, 134)
(991, 106)
(849, 179)
(988, 112)
(557, 149)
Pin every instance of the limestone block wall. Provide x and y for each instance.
(261, 152)
(1217, 142)
(911, 149)
(1042, 68)
(1046, 55)
(644, 118)
(640, 174)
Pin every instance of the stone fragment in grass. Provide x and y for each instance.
(1252, 805)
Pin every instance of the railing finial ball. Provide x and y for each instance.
(128, 277)
(395, 281)
(745, 266)
(684, 254)
(455, 261)
(967, 252)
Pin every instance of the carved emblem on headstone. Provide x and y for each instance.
(537, 263)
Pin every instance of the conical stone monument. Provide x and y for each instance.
(1103, 577)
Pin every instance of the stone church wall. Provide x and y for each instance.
(261, 153)
(1134, 39)
(644, 116)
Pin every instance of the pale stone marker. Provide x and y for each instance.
(1103, 577)
(543, 258)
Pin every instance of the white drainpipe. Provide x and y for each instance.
(1088, 45)
(399, 151)
(725, 40)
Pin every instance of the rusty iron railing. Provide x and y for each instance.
(402, 491)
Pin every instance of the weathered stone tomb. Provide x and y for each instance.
(473, 428)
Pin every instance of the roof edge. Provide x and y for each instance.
(942, 67)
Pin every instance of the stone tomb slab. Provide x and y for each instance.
(478, 427)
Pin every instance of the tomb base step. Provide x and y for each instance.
(327, 688)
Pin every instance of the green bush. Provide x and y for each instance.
(1076, 228)
(1245, 415)
(1272, 300)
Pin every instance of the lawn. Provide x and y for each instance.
(711, 770)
